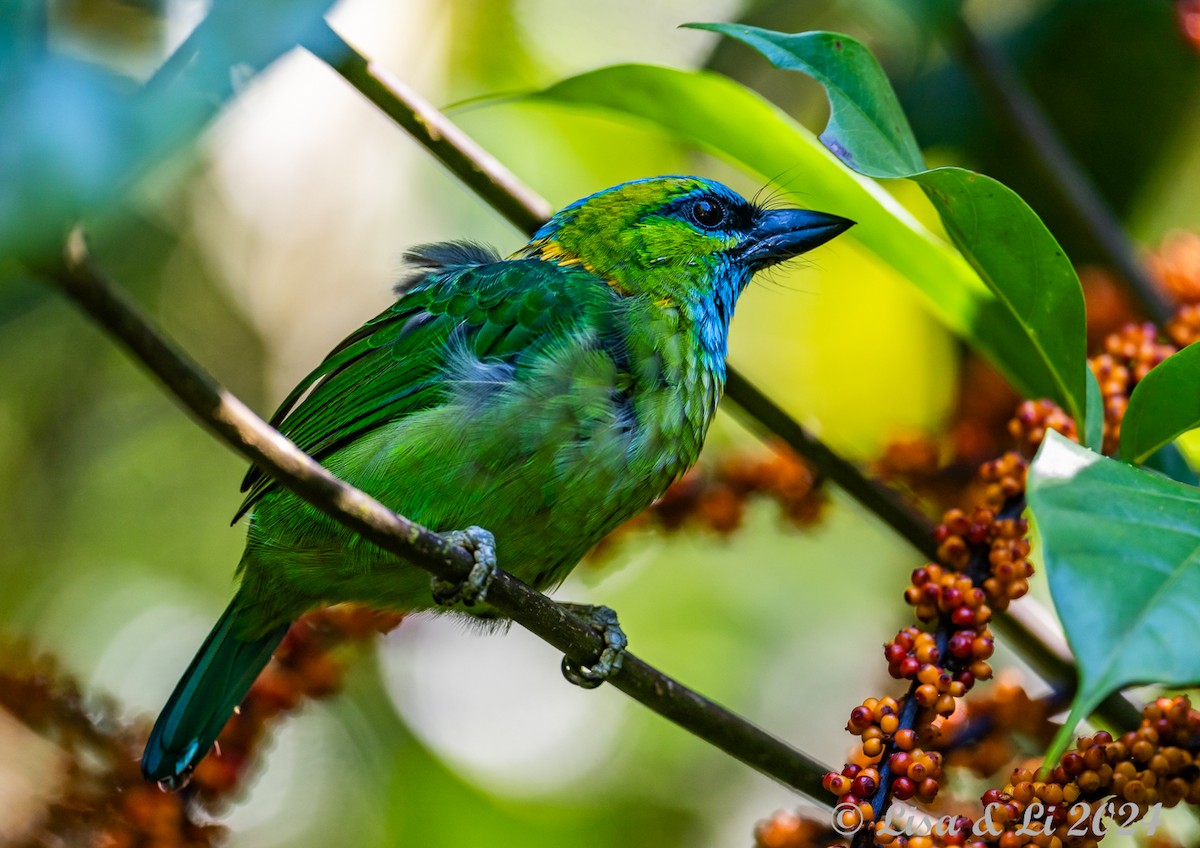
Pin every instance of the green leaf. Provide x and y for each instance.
(1002, 238)
(867, 128)
(1164, 404)
(1014, 253)
(741, 126)
(1121, 551)
(1094, 437)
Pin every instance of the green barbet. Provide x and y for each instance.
(548, 397)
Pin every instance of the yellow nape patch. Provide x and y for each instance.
(552, 251)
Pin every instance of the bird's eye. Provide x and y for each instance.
(708, 213)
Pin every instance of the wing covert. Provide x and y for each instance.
(394, 365)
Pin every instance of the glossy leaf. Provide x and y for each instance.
(1094, 437)
(1170, 461)
(1164, 405)
(1121, 549)
(741, 126)
(1019, 259)
(1002, 238)
(867, 129)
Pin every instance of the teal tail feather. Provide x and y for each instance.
(214, 684)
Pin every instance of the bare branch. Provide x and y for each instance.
(473, 165)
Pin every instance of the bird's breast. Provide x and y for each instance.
(678, 385)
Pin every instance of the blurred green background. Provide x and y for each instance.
(280, 230)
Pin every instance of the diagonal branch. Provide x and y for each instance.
(464, 158)
(77, 276)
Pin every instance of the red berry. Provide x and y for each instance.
(863, 786)
(963, 616)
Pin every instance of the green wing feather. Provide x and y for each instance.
(394, 365)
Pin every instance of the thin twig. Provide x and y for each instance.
(233, 422)
(1009, 97)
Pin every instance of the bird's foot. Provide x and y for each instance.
(473, 590)
(615, 643)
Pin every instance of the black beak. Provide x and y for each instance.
(780, 234)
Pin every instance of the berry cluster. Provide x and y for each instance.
(984, 566)
(1033, 418)
(1129, 355)
(1157, 763)
(912, 771)
(1184, 326)
(715, 496)
(1101, 777)
(104, 799)
(99, 797)
(786, 829)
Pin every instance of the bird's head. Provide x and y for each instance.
(669, 237)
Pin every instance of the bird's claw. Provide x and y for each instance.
(615, 643)
(473, 590)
